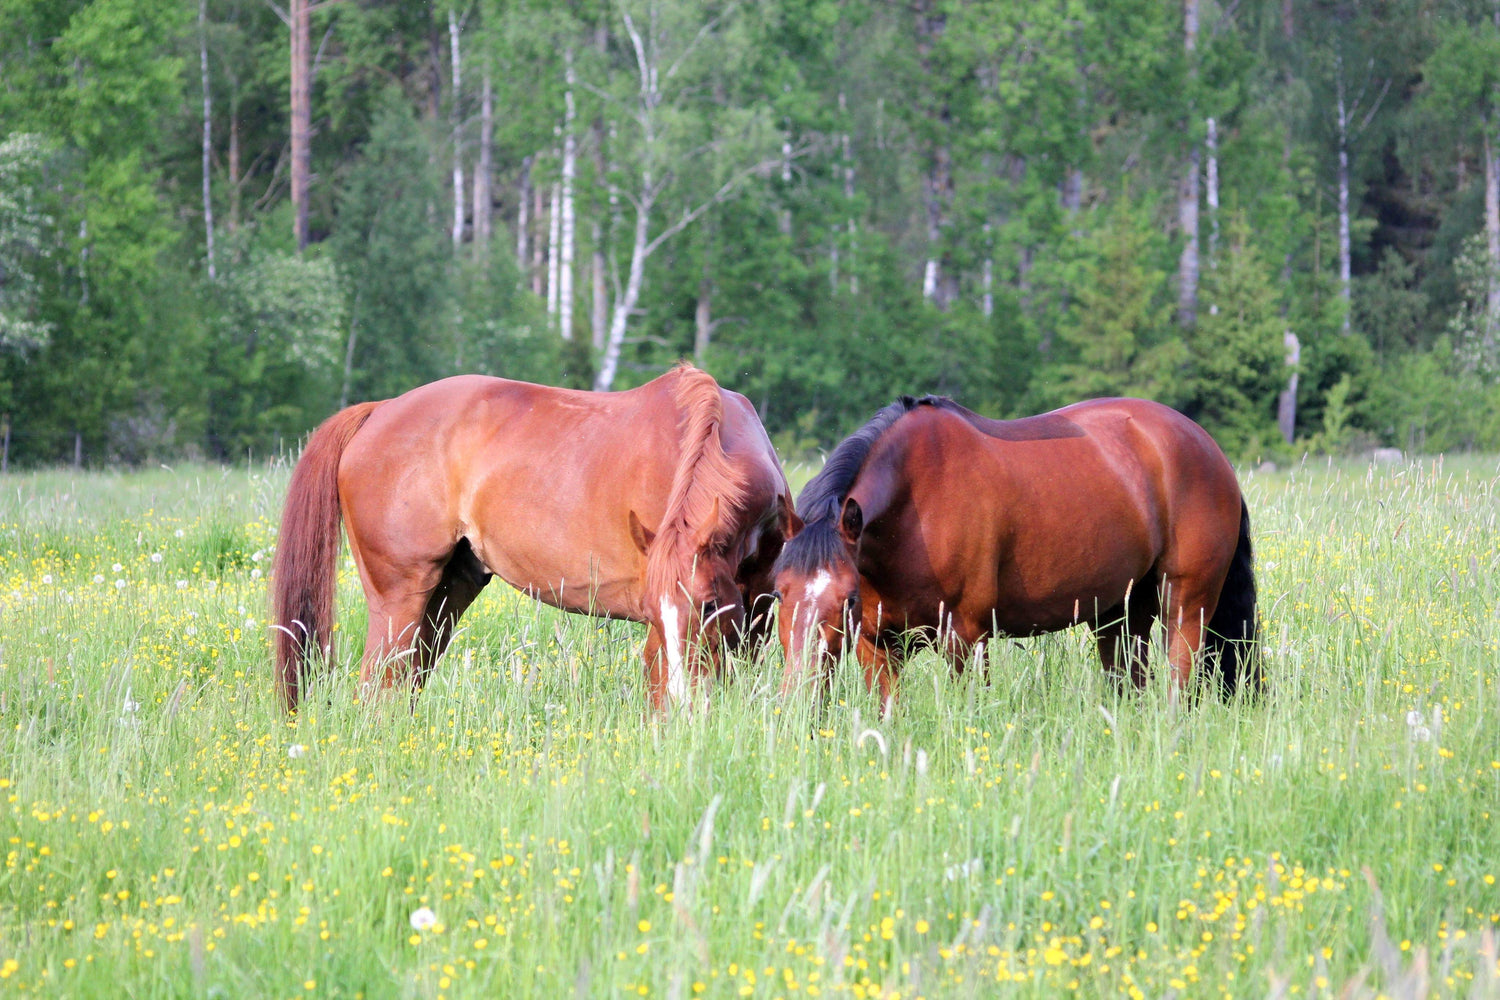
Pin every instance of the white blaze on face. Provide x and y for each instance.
(676, 680)
(817, 585)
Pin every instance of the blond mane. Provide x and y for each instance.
(704, 474)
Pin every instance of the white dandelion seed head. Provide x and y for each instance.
(129, 706)
(116, 568)
(156, 557)
(1421, 734)
(422, 918)
(1415, 718)
(296, 750)
(182, 585)
(179, 533)
(119, 584)
(257, 555)
(98, 577)
(255, 574)
(47, 578)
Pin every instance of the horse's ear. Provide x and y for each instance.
(791, 524)
(851, 521)
(640, 534)
(709, 529)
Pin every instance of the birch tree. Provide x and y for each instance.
(673, 45)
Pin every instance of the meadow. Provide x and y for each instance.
(528, 830)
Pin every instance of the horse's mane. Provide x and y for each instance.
(704, 474)
(821, 500)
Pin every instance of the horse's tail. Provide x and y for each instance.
(304, 575)
(1232, 630)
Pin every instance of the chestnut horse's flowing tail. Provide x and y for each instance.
(304, 575)
(1231, 638)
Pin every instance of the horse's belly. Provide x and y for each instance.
(585, 583)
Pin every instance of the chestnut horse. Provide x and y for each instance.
(663, 504)
(1112, 512)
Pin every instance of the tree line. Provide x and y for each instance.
(220, 220)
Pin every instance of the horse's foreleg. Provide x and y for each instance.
(880, 666)
(1123, 638)
(658, 674)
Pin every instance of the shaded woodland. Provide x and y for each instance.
(221, 220)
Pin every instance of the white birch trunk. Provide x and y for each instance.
(1187, 192)
(523, 218)
(987, 303)
(567, 225)
(484, 201)
(1286, 403)
(625, 304)
(1212, 177)
(458, 146)
(1491, 233)
(208, 203)
(554, 232)
(850, 226)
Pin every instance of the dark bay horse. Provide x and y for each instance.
(663, 504)
(1113, 512)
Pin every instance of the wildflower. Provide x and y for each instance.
(422, 918)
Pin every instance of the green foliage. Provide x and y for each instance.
(1117, 337)
(395, 259)
(277, 353)
(1034, 150)
(22, 223)
(1236, 349)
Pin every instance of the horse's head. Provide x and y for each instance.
(817, 583)
(692, 598)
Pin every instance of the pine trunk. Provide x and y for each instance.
(301, 99)
(1345, 281)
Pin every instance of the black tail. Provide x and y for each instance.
(1231, 640)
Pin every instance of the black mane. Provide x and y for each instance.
(821, 500)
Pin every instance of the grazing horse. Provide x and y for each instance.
(1112, 512)
(663, 504)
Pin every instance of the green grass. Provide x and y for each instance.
(168, 832)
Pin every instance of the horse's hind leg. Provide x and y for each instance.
(1123, 635)
(462, 580)
(1187, 606)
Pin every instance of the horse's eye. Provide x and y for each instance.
(849, 602)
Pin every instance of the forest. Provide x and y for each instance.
(221, 220)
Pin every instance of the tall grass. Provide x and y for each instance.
(527, 830)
